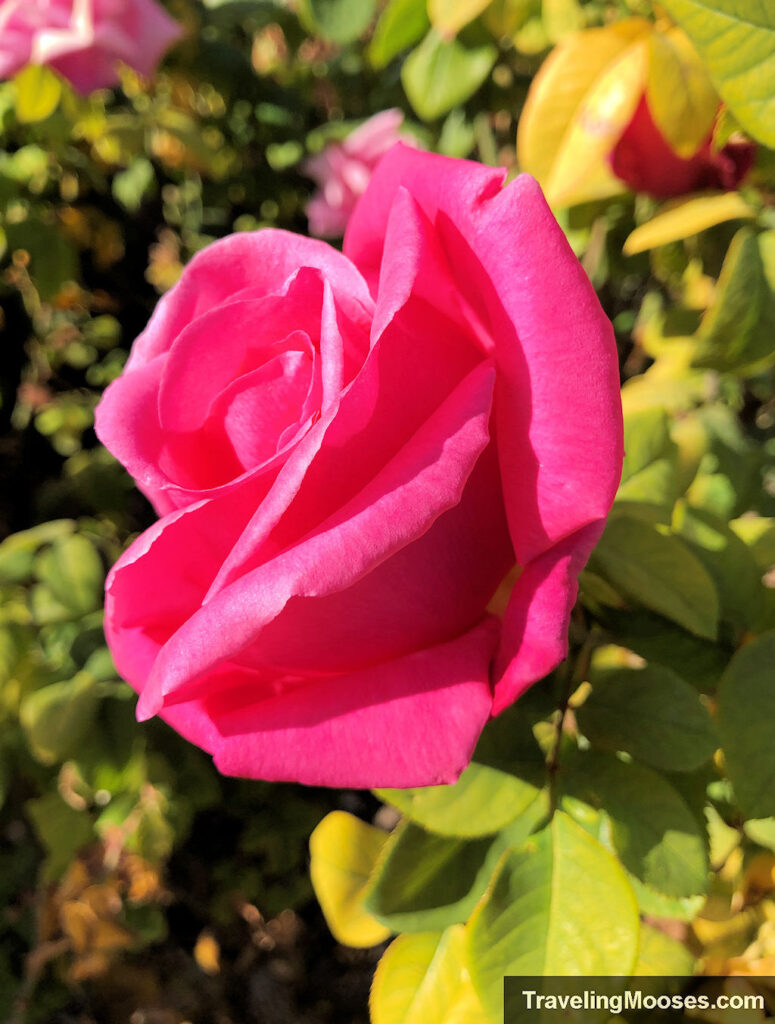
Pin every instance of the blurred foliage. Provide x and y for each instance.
(633, 785)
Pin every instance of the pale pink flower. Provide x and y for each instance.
(84, 39)
(343, 171)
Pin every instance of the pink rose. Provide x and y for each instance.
(343, 171)
(84, 39)
(644, 160)
(348, 453)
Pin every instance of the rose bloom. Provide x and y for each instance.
(343, 171)
(348, 453)
(645, 161)
(84, 39)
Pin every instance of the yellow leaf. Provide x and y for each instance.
(687, 217)
(679, 92)
(423, 979)
(449, 16)
(38, 91)
(343, 851)
(599, 123)
(556, 111)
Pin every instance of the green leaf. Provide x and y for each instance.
(343, 852)
(38, 91)
(658, 571)
(648, 474)
(737, 333)
(736, 40)
(425, 882)
(728, 561)
(482, 802)
(440, 74)
(400, 25)
(17, 552)
(745, 714)
(131, 186)
(57, 717)
(560, 905)
(647, 822)
(423, 979)
(341, 21)
(660, 956)
(72, 571)
(61, 829)
(652, 714)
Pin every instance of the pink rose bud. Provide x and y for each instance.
(645, 161)
(84, 39)
(343, 171)
(348, 453)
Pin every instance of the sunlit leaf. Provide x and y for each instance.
(736, 40)
(38, 91)
(482, 802)
(687, 217)
(560, 905)
(343, 852)
(424, 979)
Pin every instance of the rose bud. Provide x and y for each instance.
(628, 105)
(348, 453)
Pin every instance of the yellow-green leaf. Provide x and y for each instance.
(423, 979)
(560, 110)
(680, 94)
(560, 905)
(480, 803)
(38, 91)
(736, 40)
(343, 852)
(449, 16)
(687, 217)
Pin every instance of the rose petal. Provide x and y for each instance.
(535, 629)
(256, 262)
(553, 343)
(424, 479)
(410, 722)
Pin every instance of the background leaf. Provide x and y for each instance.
(736, 40)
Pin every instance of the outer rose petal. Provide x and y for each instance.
(558, 410)
(535, 630)
(411, 722)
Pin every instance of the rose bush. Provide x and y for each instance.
(343, 171)
(84, 39)
(348, 453)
